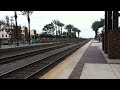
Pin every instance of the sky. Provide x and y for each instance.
(80, 19)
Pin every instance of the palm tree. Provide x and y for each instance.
(69, 29)
(51, 28)
(58, 25)
(74, 30)
(55, 22)
(7, 21)
(28, 13)
(11, 19)
(16, 27)
(61, 25)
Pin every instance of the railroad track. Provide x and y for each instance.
(5, 52)
(19, 50)
(29, 53)
(38, 65)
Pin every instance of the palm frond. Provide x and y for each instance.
(26, 12)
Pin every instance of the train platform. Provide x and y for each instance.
(88, 62)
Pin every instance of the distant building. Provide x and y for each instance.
(3, 33)
(4, 36)
(33, 32)
(14, 33)
(23, 32)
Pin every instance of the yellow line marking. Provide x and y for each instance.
(60, 67)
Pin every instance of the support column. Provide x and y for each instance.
(109, 20)
(114, 38)
(115, 20)
(106, 33)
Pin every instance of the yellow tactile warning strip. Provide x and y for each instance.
(64, 69)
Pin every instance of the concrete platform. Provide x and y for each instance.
(98, 71)
(101, 71)
(90, 61)
(64, 69)
(116, 69)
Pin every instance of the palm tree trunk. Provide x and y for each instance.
(16, 28)
(29, 28)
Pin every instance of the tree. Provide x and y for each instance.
(58, 25)
(64, 34)
(61, 25)
(69, 28)
(49, 28)
(46, 28)
(28, 13)
(8, 28)
(7, 21)
(2, 22)
(102, 23)
(74, 31)
(55, 22)
(96, 25)
(16, 27)
(11, 19)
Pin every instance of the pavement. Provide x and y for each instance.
(65, 68)
(88, 62)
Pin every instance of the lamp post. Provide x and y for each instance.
(16, 27)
